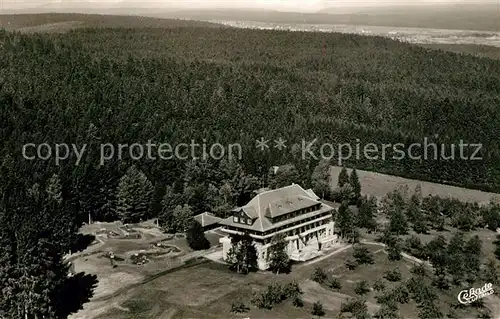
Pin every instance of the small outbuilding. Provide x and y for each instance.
(207, 221)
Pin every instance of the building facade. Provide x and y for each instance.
(306, 221)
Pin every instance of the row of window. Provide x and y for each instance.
(296, 213)
(248, 221)
(300, 230)
(274, 230)
(242, 220)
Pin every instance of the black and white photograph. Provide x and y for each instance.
(249, 159)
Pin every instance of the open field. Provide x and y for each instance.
(377, 184)
(140, 252)
(208, 290)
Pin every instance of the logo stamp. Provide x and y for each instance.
(469, 296)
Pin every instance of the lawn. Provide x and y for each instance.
(377, 184)
(208, 290)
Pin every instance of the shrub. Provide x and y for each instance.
(419, 270)
(379, 285)
(387, 311)
(333, 283)
(351, 264)
(394, 252)
(414, 246)
(394, 275)
(354, 306)
(239, 307)
(363, 255)
(318, 309)
(297, 302)
(362, 288)
(318, 275)
(260, 300)
(275, 294)
(401, 294)
(292, 290)
(384, 298)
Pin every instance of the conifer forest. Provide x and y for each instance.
(178, 83)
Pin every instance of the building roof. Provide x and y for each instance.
(207, 219)
(274, 203)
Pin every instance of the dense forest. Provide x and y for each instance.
(178, 84)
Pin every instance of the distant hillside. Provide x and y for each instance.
(461, 16)
(465, 17)
(64, 21)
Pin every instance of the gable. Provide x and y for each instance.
(242, 214)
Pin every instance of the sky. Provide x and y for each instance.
(283, 5)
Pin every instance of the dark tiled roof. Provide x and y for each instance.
(274, 203)
(288, 205)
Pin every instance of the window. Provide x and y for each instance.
(249, 221)
(236, 219)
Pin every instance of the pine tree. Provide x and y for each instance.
(321, 178)
(8, 265)
(242, 256)
(32, 271)
(420, 226)
(497, 247)
(438, 256)
(345, 220)
(170, 201)
(367, 212)
(286, 175)
(181, 218)
(195, 236)
(64, 219)
(277, 256)
(54, 189)
(343, 178)
(249, 253)
(134, 196)
(491, 216)
(491, 273)
(398, 224)
(355, 184)
(456, 258)
(472, 256)
(394, 250)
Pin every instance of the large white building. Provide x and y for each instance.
(307, 222)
